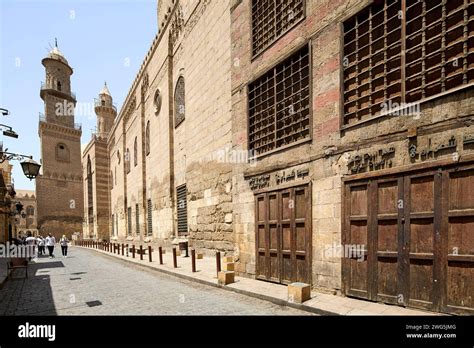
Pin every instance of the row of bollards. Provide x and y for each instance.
(123, 249)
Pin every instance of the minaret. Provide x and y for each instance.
(106, 112)
(59, 188)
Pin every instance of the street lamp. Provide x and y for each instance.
(9, 132)
(29, 166)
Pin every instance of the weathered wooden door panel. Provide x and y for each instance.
(273, 238)
(302, 234)
(287, 215)
(419, 236)
(356, 234)
(389, 193)
(284, 218)
(261, 238)
(459, 250)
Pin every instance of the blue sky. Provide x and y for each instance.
(101, 39)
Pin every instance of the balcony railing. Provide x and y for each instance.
(99, 102)
(42, 118)
(45, 86)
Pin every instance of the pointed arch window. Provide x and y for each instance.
(59, 85)
(135, 153)
(147, 138)
(179, 102)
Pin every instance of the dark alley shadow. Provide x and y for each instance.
(29, 296)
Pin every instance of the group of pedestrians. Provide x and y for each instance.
(49, 242)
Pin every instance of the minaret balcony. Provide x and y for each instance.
(48, 87)
(102, 103)
(42, 118)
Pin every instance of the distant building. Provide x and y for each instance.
(96, 171)
(26, 221)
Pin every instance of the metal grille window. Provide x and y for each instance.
(437, 38)
(273, 18)
(137, 220)
(149, 215)
(279, 105)
(182, 209)
(129, 213)
(179, 102)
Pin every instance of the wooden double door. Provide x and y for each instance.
(419, 231)
(283, 235)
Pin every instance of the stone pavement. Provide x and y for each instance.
(320, 303)
(89, 283)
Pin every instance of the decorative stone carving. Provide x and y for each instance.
(177, 24)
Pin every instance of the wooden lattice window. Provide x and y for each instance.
(439, 47)
(273, 18)
(137, 220)
(129, 215)
(279, 105)
(182, 209)
(179, 102)
(398, 52)
(150, 217)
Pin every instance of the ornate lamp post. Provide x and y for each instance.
(29, 166)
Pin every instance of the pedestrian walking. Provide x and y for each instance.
(64, 243)
(40, 241)
(50, 243)
(30, 241)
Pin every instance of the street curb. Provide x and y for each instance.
(267, 298)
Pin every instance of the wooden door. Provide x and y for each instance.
(420, 241)
(458, 241)
(419, 233)
(283, 235)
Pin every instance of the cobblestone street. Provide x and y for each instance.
(73, 286)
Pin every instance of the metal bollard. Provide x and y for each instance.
(126, 247)
(141, 252)
(149, 254)
(175, 261)
(218, 262)
(160, 249)
(133, 251)
(193, 260)
(123, 249)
